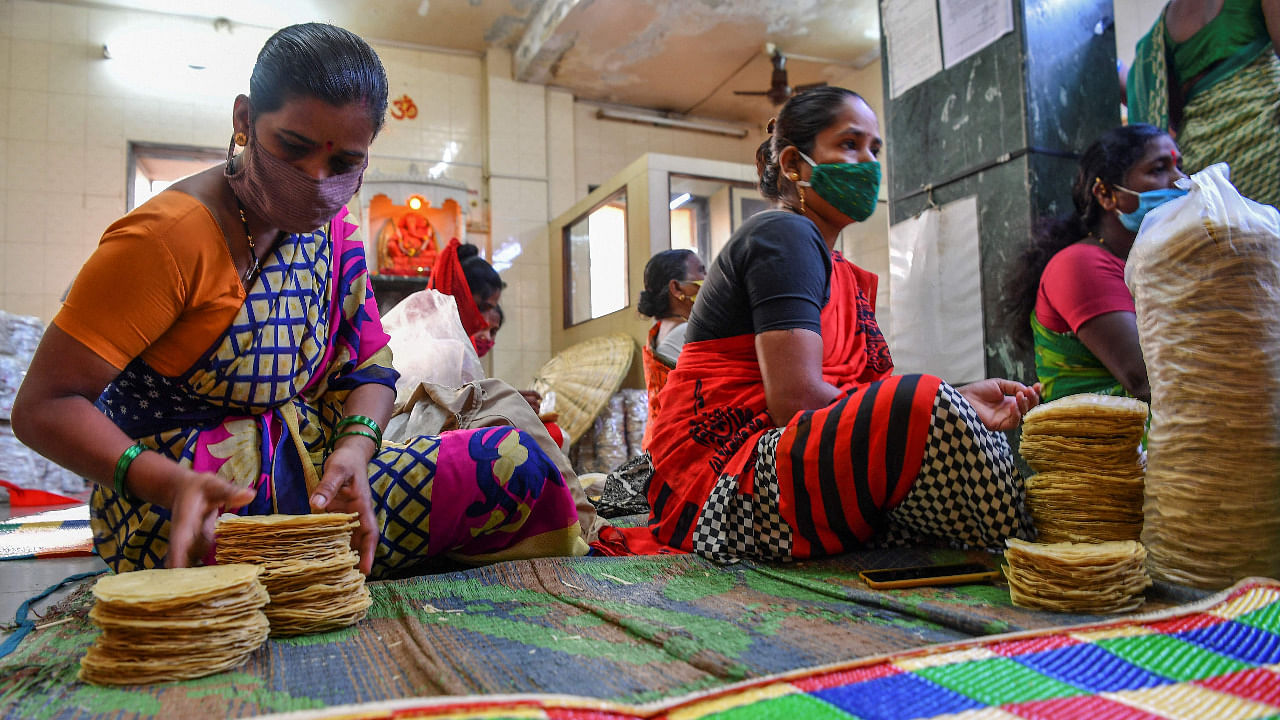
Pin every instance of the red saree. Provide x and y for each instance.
(838, 469)
(655, 378)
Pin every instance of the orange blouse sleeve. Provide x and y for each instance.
(160, 285)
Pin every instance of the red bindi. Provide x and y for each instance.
(328, 145)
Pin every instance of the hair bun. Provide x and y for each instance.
(772, 122)
(466, 250)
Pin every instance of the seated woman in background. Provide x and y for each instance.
(474, 284)
(1070, 280)
(783, 434)
(671, 281)
(221, 350)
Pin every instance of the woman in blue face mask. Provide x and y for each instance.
(1070, 280)
(784, 432)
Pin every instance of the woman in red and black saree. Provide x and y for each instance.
(221, 349)
(784, 433)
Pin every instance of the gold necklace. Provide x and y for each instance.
(253, 250)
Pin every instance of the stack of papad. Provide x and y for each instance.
(1077, 577)
(308, 566)
(161, 625)
(1089, 481)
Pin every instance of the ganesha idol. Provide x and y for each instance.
(407, 245)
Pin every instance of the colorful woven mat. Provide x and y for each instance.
(1218, 659)
(635, 630)
(56, 533)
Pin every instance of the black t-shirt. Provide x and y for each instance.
(774, 274)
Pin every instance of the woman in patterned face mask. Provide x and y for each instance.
(783, 432)
(243, 365)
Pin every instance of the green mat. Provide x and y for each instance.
(633, 630)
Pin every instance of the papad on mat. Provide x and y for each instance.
(634, 630)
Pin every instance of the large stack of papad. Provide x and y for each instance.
(308, 567)
(1077, 577)
(1088, 485)
(161, 625)
(1206, 283)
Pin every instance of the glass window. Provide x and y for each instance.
(596, 269)
(706, 211)
(153, 168)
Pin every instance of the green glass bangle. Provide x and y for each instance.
(122, 468)
(362, 420)
(377, 442)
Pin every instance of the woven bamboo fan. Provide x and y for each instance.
(583, 377)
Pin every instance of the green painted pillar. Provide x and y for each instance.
(1007, 125)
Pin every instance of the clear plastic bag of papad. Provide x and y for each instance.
(1205, 276)
(428, 343)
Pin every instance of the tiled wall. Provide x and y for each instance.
(67, 115)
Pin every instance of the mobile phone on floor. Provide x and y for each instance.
(905, 577)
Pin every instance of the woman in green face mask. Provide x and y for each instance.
(1066, 297)
(784, 433)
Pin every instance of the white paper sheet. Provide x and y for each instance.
(970, 25)
(935, 294)
(911, 39)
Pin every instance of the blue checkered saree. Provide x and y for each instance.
(260, 408)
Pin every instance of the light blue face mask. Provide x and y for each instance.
(1147, 201)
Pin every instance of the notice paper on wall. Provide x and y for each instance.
(970, 25)
(935, 294)
(911, 39)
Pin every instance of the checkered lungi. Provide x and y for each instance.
(968, 492)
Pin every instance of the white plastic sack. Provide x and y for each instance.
(428, 343)
(1205, 275)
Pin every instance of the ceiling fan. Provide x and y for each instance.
(779, 90)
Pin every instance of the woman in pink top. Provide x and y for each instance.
(1069, 282)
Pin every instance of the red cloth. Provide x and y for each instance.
(714, 412)
(448, 278)
(655, 377)
(1080, 283)
(26, 497)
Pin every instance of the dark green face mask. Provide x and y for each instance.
(851, 188)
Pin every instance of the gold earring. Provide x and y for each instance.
(794, 176)
(241, 139)
(801, 189)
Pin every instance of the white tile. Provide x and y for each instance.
(104, 121)
(62, 225)
(506, 355)
(29, 20)
(6, 19)
(4, 209)
(29, 65)
(23, 274)
(68, 24)
(104, 170)
(535, 329)
(29, 303)
(68, 69)
(64, 163)
(5, 42)
(28, 115)
(27, 166)
(66, 119)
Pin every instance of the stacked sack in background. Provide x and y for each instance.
(616, 434)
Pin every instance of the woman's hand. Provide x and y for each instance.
(197, 502)
(534, 399)
(344, 487)
(1001, 403)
